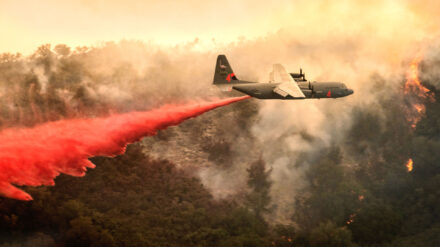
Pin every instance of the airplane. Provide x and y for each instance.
(282, 85)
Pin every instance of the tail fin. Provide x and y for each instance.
(223, 72)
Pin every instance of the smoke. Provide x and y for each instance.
(362, 44)
(219, 146)
(35, 156)
(430, 60)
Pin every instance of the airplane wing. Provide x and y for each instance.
(287, 85)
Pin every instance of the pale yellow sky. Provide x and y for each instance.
(26, 24)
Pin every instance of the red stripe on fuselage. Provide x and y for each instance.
(329, 93)
(229, 77)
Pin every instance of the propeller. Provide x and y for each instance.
(301, 74)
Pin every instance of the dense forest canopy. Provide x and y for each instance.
(330, 174)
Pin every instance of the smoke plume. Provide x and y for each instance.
(35, 156)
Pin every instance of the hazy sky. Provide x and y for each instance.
(26, 24)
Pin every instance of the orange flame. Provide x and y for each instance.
(420, 108)
(409, 165)
(350, 219)
(413, 86)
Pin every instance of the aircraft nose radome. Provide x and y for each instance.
(350, 91)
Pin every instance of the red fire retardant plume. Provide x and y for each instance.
(35, 156)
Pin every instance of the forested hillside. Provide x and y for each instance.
(357, 190)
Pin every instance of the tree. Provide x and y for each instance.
(259, 199)
(84, 233)
(376, 223)
(330, 235)
(62, 50)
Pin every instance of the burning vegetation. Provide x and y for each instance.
(416, 92)
(409, 165)
(355, 190)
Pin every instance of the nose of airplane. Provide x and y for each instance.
(350, 91)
